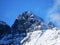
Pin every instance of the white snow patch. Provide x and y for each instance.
(50, 37)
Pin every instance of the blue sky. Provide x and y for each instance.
(10, 9)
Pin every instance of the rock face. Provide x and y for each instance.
(4, 29)
(27, 20)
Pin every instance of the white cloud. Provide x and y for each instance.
(55, 17)
(53, 13)
(55, 7)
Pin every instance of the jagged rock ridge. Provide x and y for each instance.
(27, 20)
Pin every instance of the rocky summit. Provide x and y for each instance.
(26, 20)
(28, 29)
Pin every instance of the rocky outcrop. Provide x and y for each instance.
(27, 20)
(4, 29)
(51, 25)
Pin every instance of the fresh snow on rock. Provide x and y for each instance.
(50, 37)
(31, 38)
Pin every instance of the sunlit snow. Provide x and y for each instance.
(50, 37)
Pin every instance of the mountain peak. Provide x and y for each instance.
(51, 25)
(26, 20)
(25, 15)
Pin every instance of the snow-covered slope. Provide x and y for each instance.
(31, 37)
(50, 37)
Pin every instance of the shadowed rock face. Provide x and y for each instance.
(25, 21)
(4, 29)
